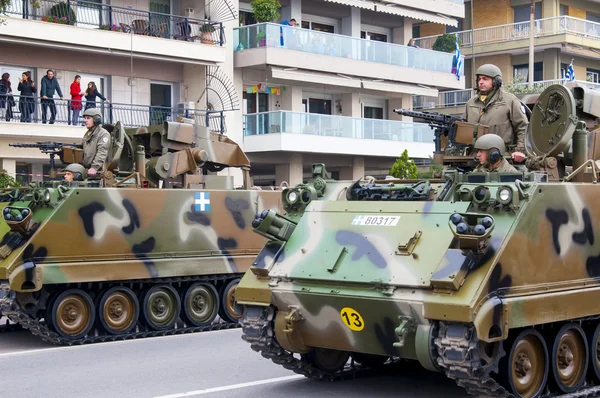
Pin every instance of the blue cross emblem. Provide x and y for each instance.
(202, 201)
(358, 220)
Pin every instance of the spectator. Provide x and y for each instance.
(90, 96)
(411, 43)
(6, 98)
(291, 22)
(26, 102)
(49, 85)
(76, 96)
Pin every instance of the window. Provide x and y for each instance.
(373, 36)
(321, 27)
(317, 105)
(452, 29)
(592, 17)
(23, 171)
(416, 31)
(523, 71)
(247, 18)
(564, 10)
(522, 12)
(592, 75)
(371, 112)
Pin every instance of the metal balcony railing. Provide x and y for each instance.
(520, 30)
(118, 19)
(449, 99)
(22, 109)
(341, 46)
(335, 126)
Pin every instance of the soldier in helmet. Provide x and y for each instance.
(96, 142)
(501, 111)
(74, 172)
(490, 149)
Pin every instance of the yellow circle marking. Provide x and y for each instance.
(352, 319)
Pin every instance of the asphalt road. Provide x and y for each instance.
(210, 364)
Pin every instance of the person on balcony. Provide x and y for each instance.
(6, 98)
(501, 111)
(76, 96)
(49, 86)
(90, 96)
(26, 89)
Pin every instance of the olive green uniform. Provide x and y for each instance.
(503, 113)
(95, 148)
(503, 167)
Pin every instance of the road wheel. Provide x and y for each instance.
(328, 360)
(72, 315)
(229, 311)
(526, 366)
(200, 304)
(118, 310)
(569, 357)
(160, 307)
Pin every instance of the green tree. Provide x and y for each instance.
(6, 181)
(446, 43)
(265, 10)
(404, 167)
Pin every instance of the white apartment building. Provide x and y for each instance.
(291, 96)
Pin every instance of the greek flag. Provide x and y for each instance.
(570, 75)
(458, 60)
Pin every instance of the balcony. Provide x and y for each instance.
(314, 52)
(27, 117)
(449, 99)
(316, 133)
(101, 28)
(548, 31)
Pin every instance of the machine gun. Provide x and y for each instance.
(441, 123)
(50, 148)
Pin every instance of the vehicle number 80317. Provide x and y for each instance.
(352, 319)
(384, 221)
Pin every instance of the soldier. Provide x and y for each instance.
(96, 142)
(501, 111)
(490, 149)
(74, 172)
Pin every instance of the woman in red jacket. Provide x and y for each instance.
(76, 95)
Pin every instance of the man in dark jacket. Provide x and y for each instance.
(49, 85)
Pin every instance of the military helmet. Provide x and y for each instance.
(490, 141)
(490, 70)
(95, 114)
(78, 171)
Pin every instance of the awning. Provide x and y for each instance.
(331, 79)
(398, 10)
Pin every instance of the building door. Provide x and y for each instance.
(161, 102)
(160, 23)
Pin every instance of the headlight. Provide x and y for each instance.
(292, 197)
(481, 194)
(504, 195)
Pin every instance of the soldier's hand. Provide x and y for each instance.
(518, 156)
(92, 172)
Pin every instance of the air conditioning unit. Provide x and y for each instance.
(186, 105)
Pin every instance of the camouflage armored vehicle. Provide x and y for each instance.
(116, 258)
(491, 278)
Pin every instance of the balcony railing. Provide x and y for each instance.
(314, 42)
(118, 19)
(335, 126)
(520, 30)
(449, 99)
(31, 110)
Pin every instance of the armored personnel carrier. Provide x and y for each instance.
(156, 246)
(491, 278)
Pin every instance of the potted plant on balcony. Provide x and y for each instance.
(206, 36)
(61, 13)
(445, 43)
(264, 11)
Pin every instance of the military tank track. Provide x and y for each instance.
(459, 356)
(258, 330)
(10, 308)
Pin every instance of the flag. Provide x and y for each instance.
(458, 59)
(570, 75)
